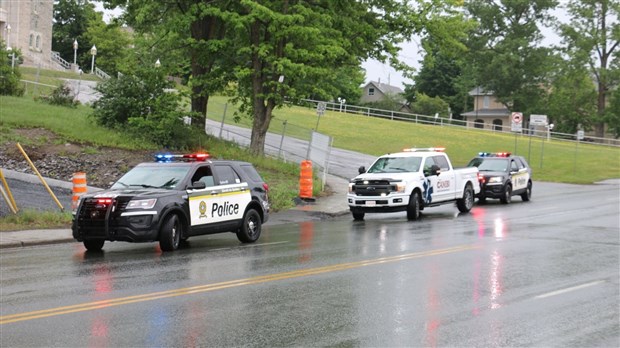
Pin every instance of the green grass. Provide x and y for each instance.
(34, 219)
(555, 160)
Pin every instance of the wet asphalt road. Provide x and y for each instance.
(542, 273)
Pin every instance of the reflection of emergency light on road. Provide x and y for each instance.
(198, 157)
(426, 149)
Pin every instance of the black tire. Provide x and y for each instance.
(250, 228)
(465, 203)
(94, 244)
(358, 215)
(482, 199)
(413, 208)
(170, 234)
(507, 196)
(527, 195)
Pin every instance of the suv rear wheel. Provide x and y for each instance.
(250, 227)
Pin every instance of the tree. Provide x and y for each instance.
(426, 105)
(274, 51)
(572, 100)
(112, 44)
(9, 74)
(505, 56)
(592, 38)
(71, 20)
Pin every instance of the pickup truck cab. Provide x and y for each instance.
(172, 199)
(410, 181)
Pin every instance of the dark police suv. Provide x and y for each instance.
(172, 199)
(502, 176)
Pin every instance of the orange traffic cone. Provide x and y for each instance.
(305, 180)
(79, 188)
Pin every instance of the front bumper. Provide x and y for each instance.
(93, 221)
(378, 204)
(491, 191)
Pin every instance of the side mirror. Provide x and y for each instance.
(433, 170)
(198, 185)
(361, 170)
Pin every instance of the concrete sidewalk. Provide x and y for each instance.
(323, 207)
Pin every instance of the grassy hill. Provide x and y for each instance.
(554, 160)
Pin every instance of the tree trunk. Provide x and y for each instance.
(202, 29)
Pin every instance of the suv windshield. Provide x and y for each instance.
(489, 165)
(152, 177)
(396, 165)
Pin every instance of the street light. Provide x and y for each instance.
(75, 47)
(342, 102)
(8, 35)
(93, 52)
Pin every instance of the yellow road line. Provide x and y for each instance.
(88, 306)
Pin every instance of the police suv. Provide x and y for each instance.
(172, 199)
(502, 176)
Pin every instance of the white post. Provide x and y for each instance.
(93, 52)
(75, 47)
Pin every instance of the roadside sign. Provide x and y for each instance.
(580, 135)
(320, 108)
(517, 122)
(538, 120)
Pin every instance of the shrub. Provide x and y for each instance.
(61, 96)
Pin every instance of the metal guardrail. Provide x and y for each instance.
(442, 121)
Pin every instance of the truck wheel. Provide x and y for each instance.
(413, 209)
(250, 228)
(94, 244)
(358, 215)
(525, 196)
(507, 196)
(170, 234)
(467, 202)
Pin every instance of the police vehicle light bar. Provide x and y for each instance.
(426, 149)
(494, 154)
(198, 157)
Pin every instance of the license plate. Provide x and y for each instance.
(371, 203)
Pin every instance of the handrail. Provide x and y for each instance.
(101, 74)
(58, 59)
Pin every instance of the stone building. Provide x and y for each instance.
(27, 25)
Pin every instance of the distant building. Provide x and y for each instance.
(377, 91)
(27, 25)
(488, 112)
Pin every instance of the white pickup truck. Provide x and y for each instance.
(410, 181)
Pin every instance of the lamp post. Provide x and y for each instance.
(8, 35)
(342, 101)
(8, 46)
(93, 52)
(75, 47)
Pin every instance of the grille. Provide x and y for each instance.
(373, 187)
(95, 218)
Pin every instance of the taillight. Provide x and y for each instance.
(481, 178)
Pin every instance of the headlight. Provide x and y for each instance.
(351, 187)
(401, 187)
(495, 180)
(142, 204)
